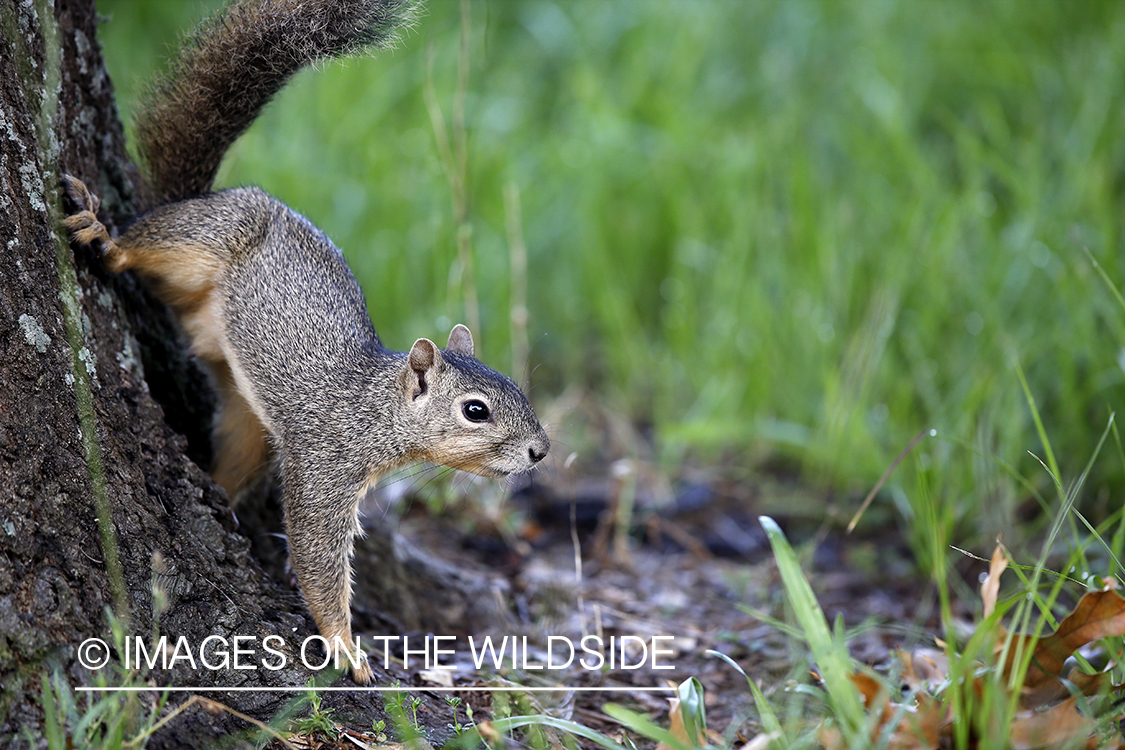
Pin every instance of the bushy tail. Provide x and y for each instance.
(231, 66)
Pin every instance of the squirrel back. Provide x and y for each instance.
(231, 66)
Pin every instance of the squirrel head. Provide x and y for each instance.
(467, 415)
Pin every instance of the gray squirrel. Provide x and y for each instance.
(272, 308)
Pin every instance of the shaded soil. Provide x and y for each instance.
(695, 566)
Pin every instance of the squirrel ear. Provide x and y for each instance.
(460, 340)
(424, 358)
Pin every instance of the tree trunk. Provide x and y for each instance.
(106, 518)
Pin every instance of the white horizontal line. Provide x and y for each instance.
(434, 689)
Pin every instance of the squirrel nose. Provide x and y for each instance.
(538, 452)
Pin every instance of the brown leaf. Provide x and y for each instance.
(1100, 614)
(868, 687)
(1089, 684)
(1116, 742)
(990, 588)
(1086, 684)
(830, 737)
(924, 668)
(489, 733)
(678, 729)
(1058, 726)
(918, 726)
(761, 741)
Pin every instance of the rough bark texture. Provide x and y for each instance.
(96, 397)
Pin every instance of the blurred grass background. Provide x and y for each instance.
(784, 232)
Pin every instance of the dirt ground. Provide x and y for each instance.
(632, 554)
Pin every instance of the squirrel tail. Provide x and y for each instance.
(231, 66)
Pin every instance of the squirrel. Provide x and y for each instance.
(272, 309)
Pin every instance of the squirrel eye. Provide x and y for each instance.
(475, 411)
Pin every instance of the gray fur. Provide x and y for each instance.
(272, 307)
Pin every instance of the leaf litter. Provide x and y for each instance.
(699, 592)
(1048, 702)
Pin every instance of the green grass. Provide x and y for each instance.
(975, 697)
(787, 230)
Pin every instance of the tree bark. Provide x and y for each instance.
(105, 516)
(101, 505)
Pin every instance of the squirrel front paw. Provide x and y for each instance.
(345, 652)
(82, 223)
(362, 673)
(342, 654)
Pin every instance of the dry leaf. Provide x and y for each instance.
(924, 668)
(1089, 684)
(918, 728)
(1086, 684)
(829, 737)
(1100, 614)
(990, 588)
(761, 742)
(926, 723)
(678, 729)
(1116, 742)
(442, 677)
(489, 733)
(1057, 726)
(869, 688)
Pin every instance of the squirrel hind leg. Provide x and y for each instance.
(242, 450)
(165, 246)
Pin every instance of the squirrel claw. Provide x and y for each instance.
(83, 224)
(79, 195)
